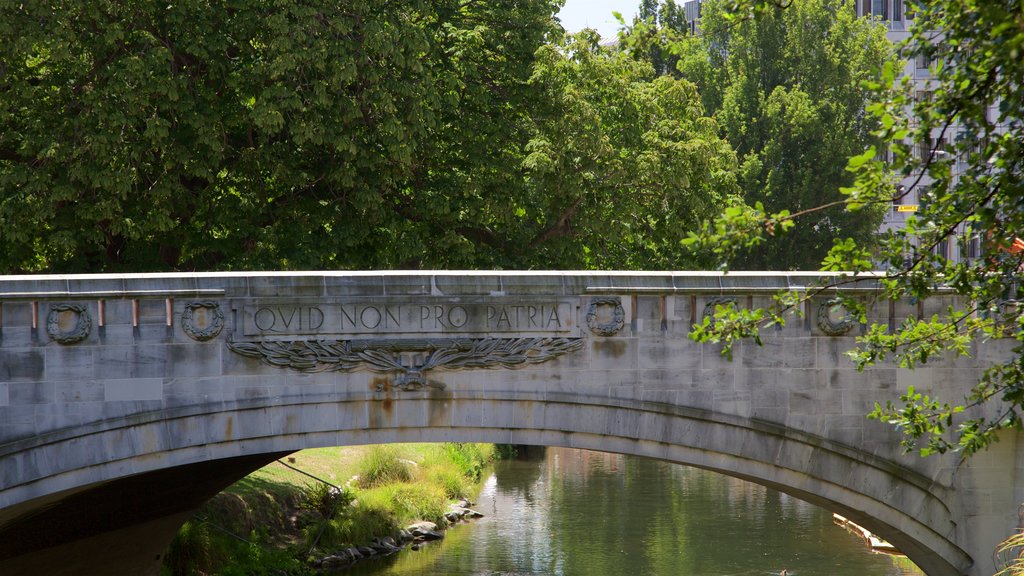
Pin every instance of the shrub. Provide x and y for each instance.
(327, 500)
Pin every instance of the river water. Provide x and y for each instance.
(575, 512)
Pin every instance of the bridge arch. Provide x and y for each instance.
(897, 504)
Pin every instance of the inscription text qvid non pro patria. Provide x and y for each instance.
(269, 318)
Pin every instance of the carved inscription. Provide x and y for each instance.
(272, 319)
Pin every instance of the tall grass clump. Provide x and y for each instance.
(382, 465)
(1010, 556)
(450, 480)
(191, 551)
(471, 459)
(408, 501)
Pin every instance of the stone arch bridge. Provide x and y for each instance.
(126, 401)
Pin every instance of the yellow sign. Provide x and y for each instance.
(907, 208)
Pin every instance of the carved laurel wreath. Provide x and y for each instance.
(611, 327)
(215, 317)
(385, 356)
(830, 326)
(83, 324)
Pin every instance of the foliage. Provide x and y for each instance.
(626, 162)
(1010, 555)
(307, 134)
(457, 466)
(360, 524)
(505, 451)
(454, 484)
(786, 88)
(327, 500)
(190, 552)
(653, 34)
(408, 502)
(288, 518)
(252, 558)
(383, 465)
(975, 105)
(469, 458)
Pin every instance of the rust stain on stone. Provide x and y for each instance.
(439, 408)
(382, 384)
(610, 347)
(229, 427)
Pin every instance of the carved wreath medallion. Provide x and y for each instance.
(605, 316)
(833, 318)
(58, 317)
(709, 308)
(202, 320)
(411, 359)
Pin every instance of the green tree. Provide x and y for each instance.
(621, 163)
(291, 134)
(977, 50)
(787, 89)
(314, 134)
(652, 36)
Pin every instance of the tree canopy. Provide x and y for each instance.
(314, 134)
(787, 90)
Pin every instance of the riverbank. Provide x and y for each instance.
(319, 506)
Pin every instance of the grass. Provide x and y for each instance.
(276, 518)
(383, 465)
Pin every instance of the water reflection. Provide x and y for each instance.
(588, 513)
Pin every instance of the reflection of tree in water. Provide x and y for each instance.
(518, 475)
(579, 513)
(622, 515)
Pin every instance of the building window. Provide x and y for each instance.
(879, 8)
(924, 150)
(942, 248)
(897, 10)
(973, 247)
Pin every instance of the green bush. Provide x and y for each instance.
(381, 466)
(327, 500)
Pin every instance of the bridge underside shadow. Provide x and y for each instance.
(169, 464)
(118, 527)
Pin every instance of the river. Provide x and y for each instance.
(574, 512)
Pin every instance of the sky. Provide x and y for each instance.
(579, 14)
